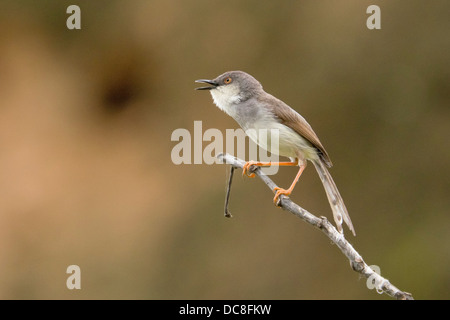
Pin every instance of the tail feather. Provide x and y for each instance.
(336, 202)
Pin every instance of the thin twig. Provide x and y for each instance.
(227, 197)
(357, 263)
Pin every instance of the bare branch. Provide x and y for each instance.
(381, 284)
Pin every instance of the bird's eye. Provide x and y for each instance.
(227, 80)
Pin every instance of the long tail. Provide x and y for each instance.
(336, 202)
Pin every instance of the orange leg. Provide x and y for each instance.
(281, 191)
(247, 165)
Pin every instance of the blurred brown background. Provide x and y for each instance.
(86, 177)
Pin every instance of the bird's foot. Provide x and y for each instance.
(247, 170)
(279, 192)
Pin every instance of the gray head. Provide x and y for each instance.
(235, 86)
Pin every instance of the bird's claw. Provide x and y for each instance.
(279, 192)
(246, 169)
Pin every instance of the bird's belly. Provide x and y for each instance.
(282, 140)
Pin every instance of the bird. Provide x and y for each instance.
(242, 97)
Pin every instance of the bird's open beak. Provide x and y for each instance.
(211, 82)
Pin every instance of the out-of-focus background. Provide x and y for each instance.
(86, 176)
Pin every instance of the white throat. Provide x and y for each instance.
(226, 98)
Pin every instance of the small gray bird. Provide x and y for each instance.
(242, 97)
